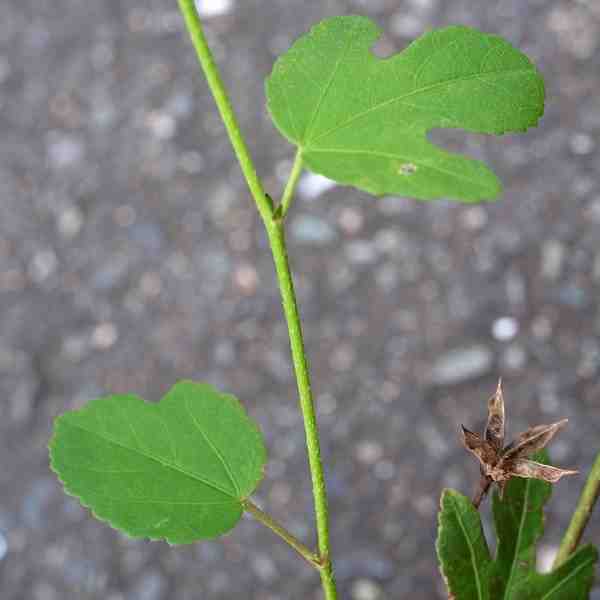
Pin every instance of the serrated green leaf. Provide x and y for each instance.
(461, 547)
(363, 121)
(519, 523)
(176, 470)
(571, 581)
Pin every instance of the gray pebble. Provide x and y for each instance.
(307, 229)
(150, 586)
(461, 364)
(366, 589)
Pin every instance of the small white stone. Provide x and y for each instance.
(406, 25)
(104, 336)
(245, 278)
(581, 143)
(64, 150)
(311, 185)
(368, 452)
(461, 364)
(505, 329)
(308, 229)
(366, 589)
(42, 265)
(474, 218)
(361, 252)
(150, 284)
(553, 254)
(213, 8)
(162, 125)
(70, 222)
(351, 221)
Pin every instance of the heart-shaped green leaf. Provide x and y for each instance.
(177, 470)
(363, 121)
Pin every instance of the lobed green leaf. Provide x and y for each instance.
(363, 121)
(177, 470)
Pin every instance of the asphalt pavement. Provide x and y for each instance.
(131, 256)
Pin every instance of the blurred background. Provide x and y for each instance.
(131, 256)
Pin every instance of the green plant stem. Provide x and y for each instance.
(581, 516)
(215, 83)
(288, 193)
(276, 236)
(283, 533)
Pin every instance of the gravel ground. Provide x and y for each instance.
(131, 257)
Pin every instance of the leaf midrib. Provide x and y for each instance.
(518, 543)
(413, 93)
(471, 549)
(407, 158)
(213, 447)
(167, 502)
(568, 577)
(327, 87)
(157, 459)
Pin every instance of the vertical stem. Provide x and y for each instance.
(581, 516)
(215, 83)
(276, 235)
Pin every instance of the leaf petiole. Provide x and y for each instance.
(288, 193)
(283, 533)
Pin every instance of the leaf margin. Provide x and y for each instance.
(236, 503)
